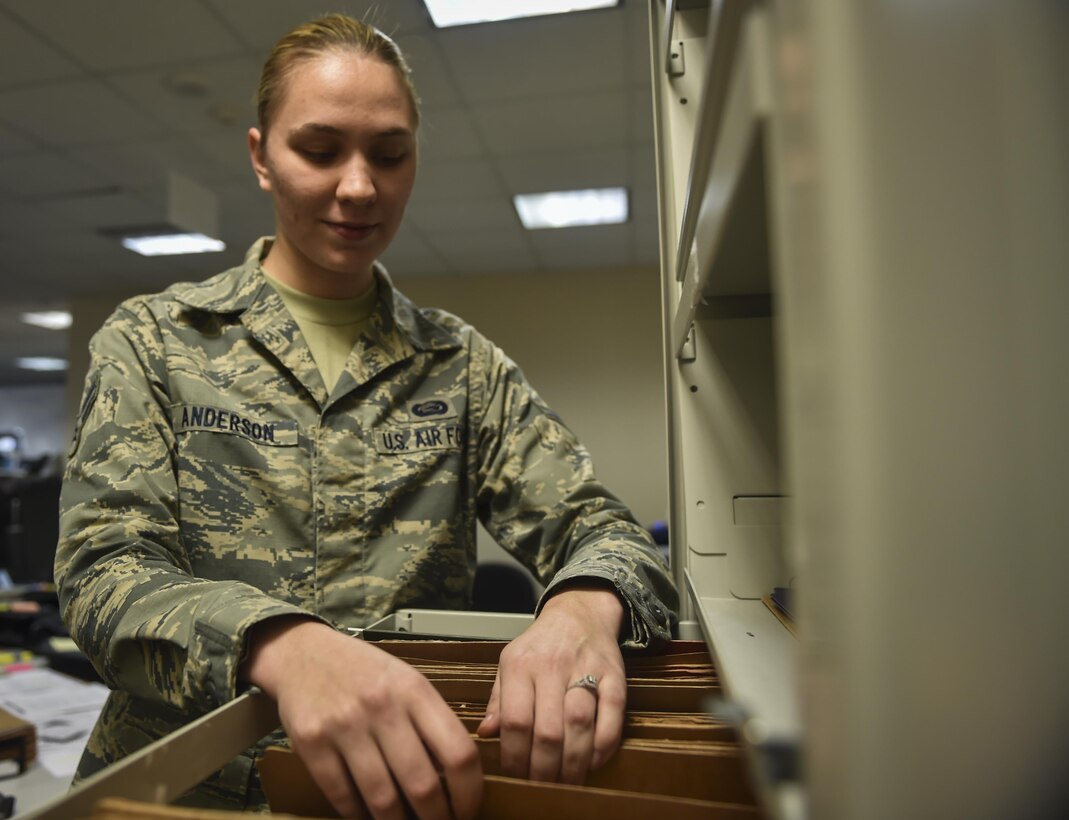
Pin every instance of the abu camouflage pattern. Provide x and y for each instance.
(213, 482)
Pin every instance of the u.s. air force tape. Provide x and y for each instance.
(418, 438)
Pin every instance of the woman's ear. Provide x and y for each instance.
(257, 156)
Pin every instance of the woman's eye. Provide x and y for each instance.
(318, 157)
(388, 160)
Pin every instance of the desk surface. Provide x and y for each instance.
(33, 788)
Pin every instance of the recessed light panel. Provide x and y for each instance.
(42, 363)
(173, 244)
(447, 13)
(567, 209)
(51, 319)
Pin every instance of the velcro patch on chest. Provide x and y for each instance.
(418, 438)
(205, 418)
(435, 408)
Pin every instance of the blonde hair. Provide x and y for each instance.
(334, 32)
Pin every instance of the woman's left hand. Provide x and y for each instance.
(551, 729)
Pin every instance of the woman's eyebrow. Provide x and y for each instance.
(315, 127)
(323, 128)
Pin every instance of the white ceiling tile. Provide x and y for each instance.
(645, 236)
(109, 209)
(263, 24)
(504, 249)
(538, 56)
(410, 254)
(231, 84)
(244, 208)
(36, 341)
(448, 133)
(644, 204)
(139, 164)
(117, 131)
(471, 214)
(128, 32)
(21, 224)
(432, 78)
(74, 113)
(456, 181)
(43, 174)
(598, 246)
(12, 142)
(229, 150)
(640, 116)
(397, 18)
(565, 170)
(82, 264)
(643, 165)
(638, 41)
(155, 273)
(553, 123)
(25, 57)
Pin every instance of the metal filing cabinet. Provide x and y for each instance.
(864, 270)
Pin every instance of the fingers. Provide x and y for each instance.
(491, 722)
(547, 742)
(375, 785)
(516, 722)
(403, 754)
(368, 725)
(331, 774)
(609, 727)
(552, 733)
(580, 711)
(456, 754)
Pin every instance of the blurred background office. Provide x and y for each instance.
(123, 118)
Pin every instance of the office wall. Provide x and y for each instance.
(590, 342)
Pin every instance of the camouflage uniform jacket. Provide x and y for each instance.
(213, 483)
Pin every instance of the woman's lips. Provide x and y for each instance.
(351, 230)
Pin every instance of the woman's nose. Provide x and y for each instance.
(356, 183)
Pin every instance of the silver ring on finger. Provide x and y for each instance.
(588, 682)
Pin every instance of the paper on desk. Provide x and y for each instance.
(63, 710)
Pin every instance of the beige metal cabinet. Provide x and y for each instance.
(865, 266)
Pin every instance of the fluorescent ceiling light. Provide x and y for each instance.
(51, 319)
(566, 209)
(41, 363)
(446, 13)
(172, 244)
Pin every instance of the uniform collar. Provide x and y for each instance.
(244, 288)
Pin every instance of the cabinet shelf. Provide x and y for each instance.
(756, 658)
(723, 246)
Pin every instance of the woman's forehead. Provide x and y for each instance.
(344, 84)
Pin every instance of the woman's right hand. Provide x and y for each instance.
(361, 719)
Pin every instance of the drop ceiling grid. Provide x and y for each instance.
(509, 107)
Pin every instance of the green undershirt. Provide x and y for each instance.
(330, 326)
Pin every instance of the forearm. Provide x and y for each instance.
(160, 634)
(274, 647)
(623, 559)
(592, 601)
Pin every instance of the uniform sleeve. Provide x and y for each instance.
(125, 585)
(539, 498)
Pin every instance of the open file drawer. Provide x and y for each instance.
(676, 760)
